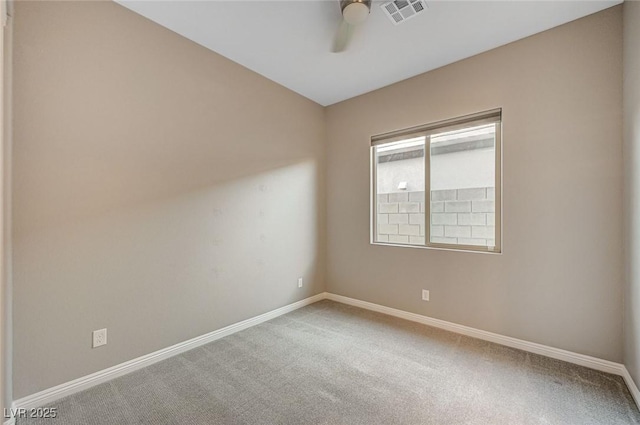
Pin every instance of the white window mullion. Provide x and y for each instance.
(427, 190)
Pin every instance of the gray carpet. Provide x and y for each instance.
(333, 364)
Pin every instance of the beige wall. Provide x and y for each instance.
(559, 280)
(160, 191)
(631, 25)
(5, 292)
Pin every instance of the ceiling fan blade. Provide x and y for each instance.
(345, 31)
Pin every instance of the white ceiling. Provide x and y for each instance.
(290, 42)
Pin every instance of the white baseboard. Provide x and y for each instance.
(532, 347)
(633, 389)
(50, 395)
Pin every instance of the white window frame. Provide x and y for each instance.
(488, 117)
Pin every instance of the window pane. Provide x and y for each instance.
(462, 172)
(400, 192)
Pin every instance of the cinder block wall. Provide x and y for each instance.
(458, 216)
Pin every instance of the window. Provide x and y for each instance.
(438, 185)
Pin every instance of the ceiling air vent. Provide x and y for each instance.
(401, 10)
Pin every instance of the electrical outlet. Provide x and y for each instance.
(99, 337)
(299, 282)
(425, 295)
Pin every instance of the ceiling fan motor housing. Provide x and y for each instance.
(355, 12)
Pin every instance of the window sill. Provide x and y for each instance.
(439, 248)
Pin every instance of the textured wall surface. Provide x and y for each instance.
(631, 26)
(6, 396)
(559, 279)
(161, 191)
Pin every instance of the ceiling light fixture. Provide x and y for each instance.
(355, 13)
